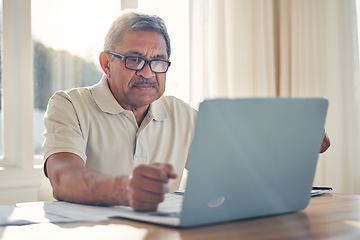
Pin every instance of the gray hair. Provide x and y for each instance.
(135, 21)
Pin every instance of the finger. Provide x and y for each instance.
(144, 196)
(323, 147)
(157, 172)
(325, 143)
(147, 184)
(138, 205)
(170, 171)
(168, 168)
(142, 200)
(151, 172)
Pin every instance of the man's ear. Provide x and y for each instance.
(105, 60)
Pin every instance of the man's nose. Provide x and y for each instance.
(146, 71)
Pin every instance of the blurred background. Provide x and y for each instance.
(232, 48)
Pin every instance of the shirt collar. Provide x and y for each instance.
(157, 110)
(104, 97)
(107, 102)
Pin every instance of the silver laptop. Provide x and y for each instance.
(250, 158)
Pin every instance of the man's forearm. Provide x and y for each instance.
(73, 182)
(92, 188)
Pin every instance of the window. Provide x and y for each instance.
(67, 42)
(19, 177)
(16, 81)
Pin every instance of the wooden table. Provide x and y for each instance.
(330, 216)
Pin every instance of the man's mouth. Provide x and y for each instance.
(144, 83)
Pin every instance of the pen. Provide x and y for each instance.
(179, 192)
(322, 188)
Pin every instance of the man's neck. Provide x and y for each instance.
(140, 113)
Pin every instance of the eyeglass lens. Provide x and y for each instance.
(138, 63)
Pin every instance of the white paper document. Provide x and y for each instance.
(54, 212)
(13, 215)
(62, 212)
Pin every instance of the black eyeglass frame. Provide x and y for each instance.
(124, 58)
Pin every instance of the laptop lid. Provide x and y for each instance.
(252, 158)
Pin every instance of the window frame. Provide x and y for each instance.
(17, 168)
(17, 85)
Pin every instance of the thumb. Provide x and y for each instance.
(169, 170)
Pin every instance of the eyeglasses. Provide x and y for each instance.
(138, 63)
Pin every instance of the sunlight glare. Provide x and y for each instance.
(77, 26)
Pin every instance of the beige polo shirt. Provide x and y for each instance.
(91, 124)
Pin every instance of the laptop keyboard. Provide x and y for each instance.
(171, 206)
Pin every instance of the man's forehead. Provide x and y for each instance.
(141, 54)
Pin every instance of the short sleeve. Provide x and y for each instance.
(63, 132)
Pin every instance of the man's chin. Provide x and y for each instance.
(144, 100)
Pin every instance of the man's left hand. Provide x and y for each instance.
(325, 143)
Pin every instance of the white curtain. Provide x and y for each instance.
(295, 48)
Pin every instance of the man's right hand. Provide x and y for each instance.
(73, 182)
(148, 184)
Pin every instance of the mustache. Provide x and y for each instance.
(142, 81)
